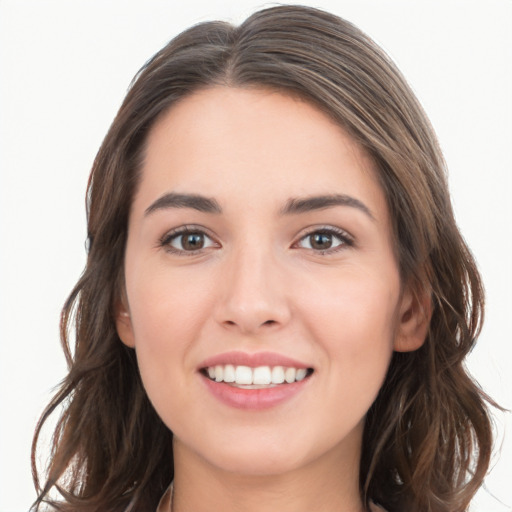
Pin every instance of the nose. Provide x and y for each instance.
(253, 294)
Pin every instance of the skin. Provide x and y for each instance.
(258, 285)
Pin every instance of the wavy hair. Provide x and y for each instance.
(428, 438)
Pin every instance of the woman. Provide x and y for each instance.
(277, 302)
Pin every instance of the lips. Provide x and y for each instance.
(254, 381)
(237, 358)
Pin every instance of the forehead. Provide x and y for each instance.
(253, 145)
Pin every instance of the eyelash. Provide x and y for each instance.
(175, 234)
(345, 240)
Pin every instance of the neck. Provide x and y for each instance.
(329, 483)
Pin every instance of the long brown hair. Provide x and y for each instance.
(427, 439)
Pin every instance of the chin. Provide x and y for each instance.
(261, 462)
(254, 453)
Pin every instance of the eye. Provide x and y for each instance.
(187, 240)
(325, 240)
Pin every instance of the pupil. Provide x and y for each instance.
(192, 241)
(321, 241)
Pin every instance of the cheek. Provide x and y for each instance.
(353, 319)
(354, 300)
(168, 312)
(162, 302)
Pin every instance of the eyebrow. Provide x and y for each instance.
(194, 201)
(292, 206)
(307, 204)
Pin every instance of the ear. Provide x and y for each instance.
(124, 324)
(415, 311)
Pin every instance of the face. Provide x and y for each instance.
(263, 298)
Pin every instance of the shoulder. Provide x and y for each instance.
(165, 502)
(376, 508)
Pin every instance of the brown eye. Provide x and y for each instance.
(187, 241)
(320, 241)
(325, 240)
(192, 241)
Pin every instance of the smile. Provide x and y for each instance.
(256, 378)
(255, 381)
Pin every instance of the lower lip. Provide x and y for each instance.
(254, 399)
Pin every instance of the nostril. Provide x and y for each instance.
(250, 323)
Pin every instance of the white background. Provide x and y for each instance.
(64, 69)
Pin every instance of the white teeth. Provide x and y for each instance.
(277, 375)
(301, 374)
(289, 375)
(229, 373)
(262, 375)
(259, 376)
(243, 375)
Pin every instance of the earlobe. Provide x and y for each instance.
(124, 326)
(413, 321)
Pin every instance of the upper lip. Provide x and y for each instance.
(237, 358)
